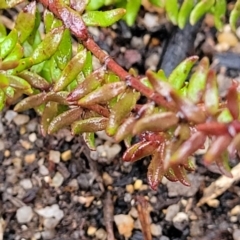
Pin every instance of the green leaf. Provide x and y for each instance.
(89, 139)
(200, 9)
(9, 4)
(4, 81)
(95, 4)
(19, 83)
(25, 21)
(50, 111)
(64, 51)
(103, 94)
(121, 110)
(220, 8)
(103, 19)
(197, 81)
(234, 16)
(2, 99)
(132, 9)
(70, 72)
(172, 10)
(15, 54)
(90, 83)
(30, 102)
(181, 72)
(64, 119)
(35, 80)
(184, 12)
(48, 46)
(89, 125)
(7, 45)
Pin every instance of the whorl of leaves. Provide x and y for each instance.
(45, 73)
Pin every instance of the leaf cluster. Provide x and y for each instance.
(178, 14)
(41, 70)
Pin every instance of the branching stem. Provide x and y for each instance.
(74, 22)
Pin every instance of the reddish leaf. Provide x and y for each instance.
(139, 150)
(50, 111)
(155, 168)
(103, 94)
(191, 145)
(223, 164)
(89, 125)
(64, 119)
(181, 175)
(125, 129)
(232, 100)
(211, 93)
(213, 128)
(30, 102)
(156, 122)
(218, 146)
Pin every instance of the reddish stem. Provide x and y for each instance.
(74, 22)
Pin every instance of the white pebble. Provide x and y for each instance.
(57, 180)
(21, 119)
(43, 170)
(156, 230)
(32, 137)
(51, 211)
(54, 156)
(24, 214)
(26, 183)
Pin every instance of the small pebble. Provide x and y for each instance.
(10, 115)
(26, 183)
(91, 231)
(227, 38)
(30, 158)
(236, 234)
(50, 223)
(87, 201)
(48, 234)
(22, 130)
(7, 153)
(172, 210)
(156, 230)
(125, 224)
(213, 203)
(2, 145)
(164, 238)
(235, 211)
(51, 211)
(32, 137)
(138, 184)
(24, 214)
(153, 199)
(101, 234)
(180, 221)
(67, 155)
(54, 156)
(130, 188)
(133, 212)
(26, 144)
(73, 184)
(43, 170)
(57, 180)
(127, 197)
(107, 179)
(21, 119)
